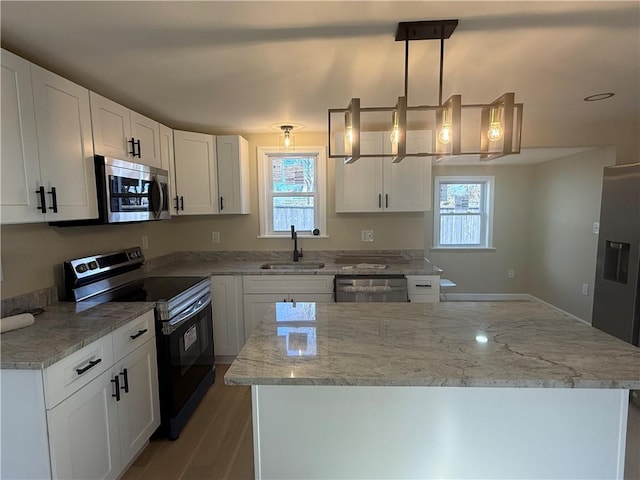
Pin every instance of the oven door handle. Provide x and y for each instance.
(202, 303)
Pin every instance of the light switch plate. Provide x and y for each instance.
(215, 237)
(596, 227)
(366, 235)
(145, 242)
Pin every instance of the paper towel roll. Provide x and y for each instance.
(16, 321)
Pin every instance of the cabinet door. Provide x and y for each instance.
(139, 407)
(168, 163)
(233, 174)
(359, 184)
(148, 132)
(407, 184)
(19, 162)
(111, 124)
(65, 148)
(196, 183)
(83, 433)
(228, 325)
(256, 307)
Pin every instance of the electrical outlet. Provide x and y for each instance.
(511, 273)
(366, 235)
(585, 289)
(596, 227)
(215, 237)
(145, 242)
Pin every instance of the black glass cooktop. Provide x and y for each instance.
(154, 289)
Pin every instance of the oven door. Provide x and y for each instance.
(134, 192)
(185, 357)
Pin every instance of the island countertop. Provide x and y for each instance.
(454, 344)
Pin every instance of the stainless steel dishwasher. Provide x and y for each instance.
(371, 288)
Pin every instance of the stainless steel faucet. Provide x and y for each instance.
(294, 236)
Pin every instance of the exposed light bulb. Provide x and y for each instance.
(495, 132)
(287, 140)
(395, 135)
(445, 134)
(349, 135)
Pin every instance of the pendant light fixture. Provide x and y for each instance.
(489, 130)
(286, 140)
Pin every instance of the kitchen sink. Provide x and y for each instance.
(292, 266)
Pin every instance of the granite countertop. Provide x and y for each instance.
(62, 329)
(248, 263)
(453, 344)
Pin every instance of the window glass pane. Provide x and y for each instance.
(296, 211)
(293, 174)
(460, 229)
(460, 197)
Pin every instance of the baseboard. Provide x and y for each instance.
(487, 297)
(504, 297)
(559, 309)
(225, 359)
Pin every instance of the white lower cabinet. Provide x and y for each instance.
(262, 291)
(83, 433)
(228, 325)
(139, 405)
(86, 416)
(423, 288)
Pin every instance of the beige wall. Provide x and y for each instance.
(32, 255)
(566, 203)
(486, 271)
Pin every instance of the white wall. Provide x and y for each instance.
(486, 271)
(566, 203)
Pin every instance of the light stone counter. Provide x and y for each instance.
(248, 263)
(528, 344)
(62, 329)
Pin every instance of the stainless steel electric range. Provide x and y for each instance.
(184, 327)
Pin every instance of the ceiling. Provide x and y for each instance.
(243, 66)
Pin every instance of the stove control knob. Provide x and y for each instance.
(81, 268)
(93, 265)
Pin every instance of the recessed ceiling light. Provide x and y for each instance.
(598, 96)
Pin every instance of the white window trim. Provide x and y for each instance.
(488, 200)
(263, 195)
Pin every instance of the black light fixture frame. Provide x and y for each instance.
(434, 30)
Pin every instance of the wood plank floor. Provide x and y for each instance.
(216, 443)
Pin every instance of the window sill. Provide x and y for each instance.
(288, 237)
(462, 249)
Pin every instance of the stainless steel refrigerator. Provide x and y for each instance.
(616, 302)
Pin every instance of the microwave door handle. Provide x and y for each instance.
(158, 211)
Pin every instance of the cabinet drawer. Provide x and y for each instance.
(73, 372)
(288, 283)
(424, 298)
(423, 284)
(132, 335)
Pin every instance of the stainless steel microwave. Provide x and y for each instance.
(131, 192)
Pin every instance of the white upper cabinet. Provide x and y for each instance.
(63, 123)
(122, 133)
(196, 186)
(233, 174)
(167, 162)
(19, 165)
(47, 153)
(378, 184)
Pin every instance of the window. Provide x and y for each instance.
(292, 191)
(463, 212)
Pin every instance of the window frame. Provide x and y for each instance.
(486, 214)
(266, 195)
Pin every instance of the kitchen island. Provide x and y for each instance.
(450, 390)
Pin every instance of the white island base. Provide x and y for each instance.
(331, 432)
